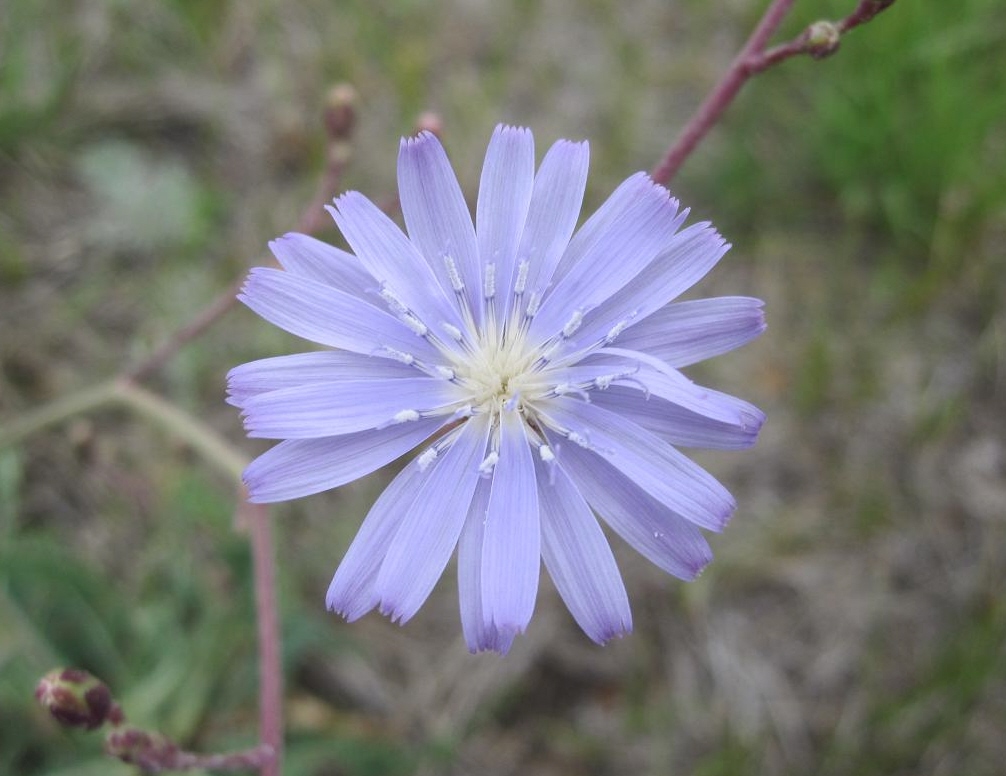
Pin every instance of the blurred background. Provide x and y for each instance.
(853, 621)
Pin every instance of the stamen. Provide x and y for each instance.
(425, 458)
(533, 304)
(617, 329)
(452, 331)
(445, 372)
(399, 355)
(604, 381)
(405, 416)
(521, 282)
(562, 389)
(487, 466)
(490, 281)
(393, 301)
(548, 458)
(576, 439)
(452, 273)
(417, 326)
(572, 324)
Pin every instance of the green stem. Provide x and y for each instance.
(56, 412)
(214, 448)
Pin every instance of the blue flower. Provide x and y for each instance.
(535, 365)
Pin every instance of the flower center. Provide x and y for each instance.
(498, 371)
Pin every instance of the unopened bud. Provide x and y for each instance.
(822, 39)
(429, 121)
(340, 111)
(75, 698)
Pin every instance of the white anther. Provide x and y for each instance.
(562, 389)
(418, 327)
(487, 466)
(393, 301)
(452, 331)
(533, 304)
(464, 411)
(490, 280)
(426, 458)
(576, 439)
(399, 355)
(546, 454)
(617, 329)
(572, 324)
(405, 416)
(453, 275)
(445, 372)
(521, 282)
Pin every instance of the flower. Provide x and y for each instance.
(538, 367)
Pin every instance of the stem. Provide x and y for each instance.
(722, 94)
(57, 411)
(209, 315)
(818, 40)
(257, 518)
(213, 447)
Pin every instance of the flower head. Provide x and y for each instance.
(536, 366)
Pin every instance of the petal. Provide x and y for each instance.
(511, 550)
(300, 467)
(504, 197)
(438, 219)
(688, 258)
(658, 534)
(325, 315)
(393, 261)
(618, 242)
(312, 259)
(677, 425)
(480, 635)
(430, 529)
(579, 559)
(272, 374)
(656, 467)
(635, 369)
(351, 592)
(345, 406)
(554, 211)
(685, 333)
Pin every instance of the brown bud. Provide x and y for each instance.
(340, 111)
(429, 121)
(75, 698)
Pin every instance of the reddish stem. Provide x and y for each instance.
(258, 521)
(722, 95)
(753, 59)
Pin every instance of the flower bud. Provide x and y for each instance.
(340, 111)
(822, 39)
(430, 121)
(75, 698)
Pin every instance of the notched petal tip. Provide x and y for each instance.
(608, 635)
